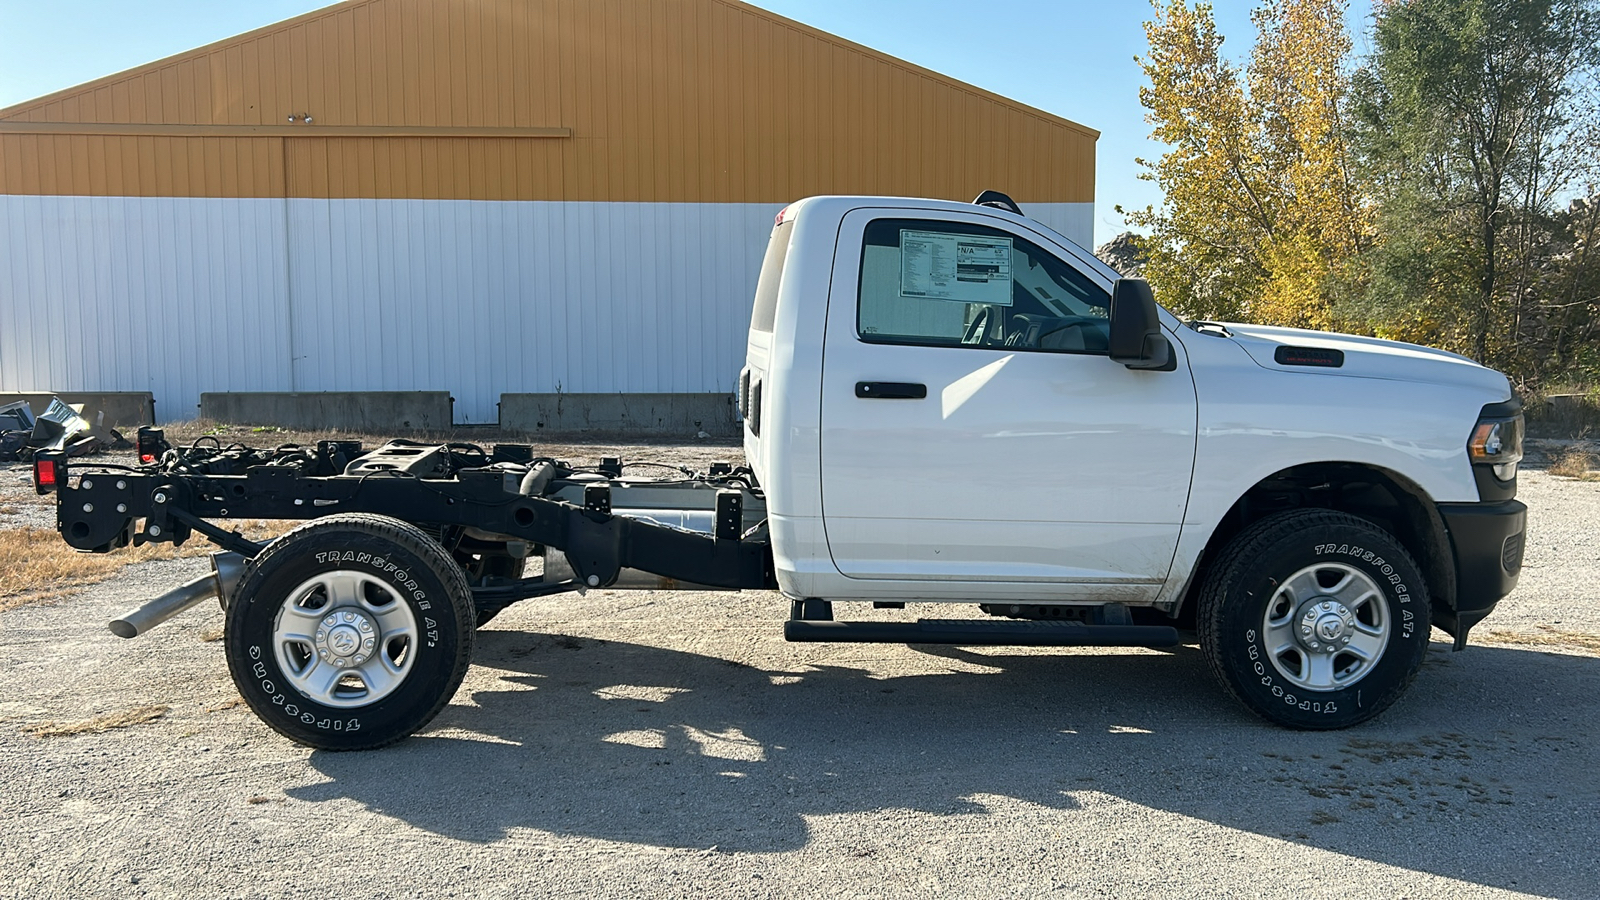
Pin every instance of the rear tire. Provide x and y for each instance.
(350, 632)
(1314, 619)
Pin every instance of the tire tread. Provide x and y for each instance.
(414, 540)
(1235, 560)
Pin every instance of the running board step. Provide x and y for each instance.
(980, 632)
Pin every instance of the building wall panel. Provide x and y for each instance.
(168, 295)
(493, 297)
(177, 296)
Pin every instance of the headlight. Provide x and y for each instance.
(1498, 443)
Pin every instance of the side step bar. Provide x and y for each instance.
(981, 633)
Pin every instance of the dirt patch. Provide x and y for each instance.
(1547, 636)
(108, 722)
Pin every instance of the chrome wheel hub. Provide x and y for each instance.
(345, 639)
(1326, 627)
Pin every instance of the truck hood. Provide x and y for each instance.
(1365, 357)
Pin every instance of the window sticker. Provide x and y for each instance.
(967, 268)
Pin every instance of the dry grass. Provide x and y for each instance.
(1574, 462)
(210, 634)
(1549, 637)
(124, 719)
(36, 566)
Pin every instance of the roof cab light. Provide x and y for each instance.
(1497, 442)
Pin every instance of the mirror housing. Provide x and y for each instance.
(1136, 338)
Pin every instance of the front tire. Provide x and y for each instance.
(350, 632)
(1314, 619)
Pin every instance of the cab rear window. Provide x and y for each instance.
(766, 309)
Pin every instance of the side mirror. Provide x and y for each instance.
(1136, 338)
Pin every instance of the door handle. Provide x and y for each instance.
(891, 390)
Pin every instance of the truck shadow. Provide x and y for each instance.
(667, 748)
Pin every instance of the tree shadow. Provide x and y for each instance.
(674, 749)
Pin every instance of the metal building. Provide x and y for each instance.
(479, 196)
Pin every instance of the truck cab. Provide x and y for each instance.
(938, 408)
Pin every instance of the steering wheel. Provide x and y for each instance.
(978, 328)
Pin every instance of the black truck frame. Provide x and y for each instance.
(458, 489)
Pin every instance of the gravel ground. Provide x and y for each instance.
(623, 744)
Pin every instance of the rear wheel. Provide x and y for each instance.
(350, 632)
(1315, 619)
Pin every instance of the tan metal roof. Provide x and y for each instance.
(621, 100)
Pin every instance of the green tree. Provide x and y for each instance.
(1259, 210)
(1474, 122)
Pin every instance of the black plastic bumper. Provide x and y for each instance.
(1488, 540)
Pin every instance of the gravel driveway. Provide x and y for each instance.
(672, 745)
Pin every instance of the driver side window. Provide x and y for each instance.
(951, 284)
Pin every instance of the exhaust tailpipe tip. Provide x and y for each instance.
(226, 569)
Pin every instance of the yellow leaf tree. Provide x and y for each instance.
(1259, 212)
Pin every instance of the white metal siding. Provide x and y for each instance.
(180, 296)
(168, 295)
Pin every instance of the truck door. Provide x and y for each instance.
(973, 426)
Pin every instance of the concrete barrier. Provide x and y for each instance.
(654, 414)
(104, 409)
(371, 411)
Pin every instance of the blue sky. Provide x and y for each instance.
(1068, 57)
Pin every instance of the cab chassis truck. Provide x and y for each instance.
(942, 402)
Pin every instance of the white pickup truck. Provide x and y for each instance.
(943, 402)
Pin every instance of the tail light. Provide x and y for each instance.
(48, 472)
(152, 445)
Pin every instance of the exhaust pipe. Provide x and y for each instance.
(226, 570)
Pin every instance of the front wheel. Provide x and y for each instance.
(350, 632)
(1314, 619)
